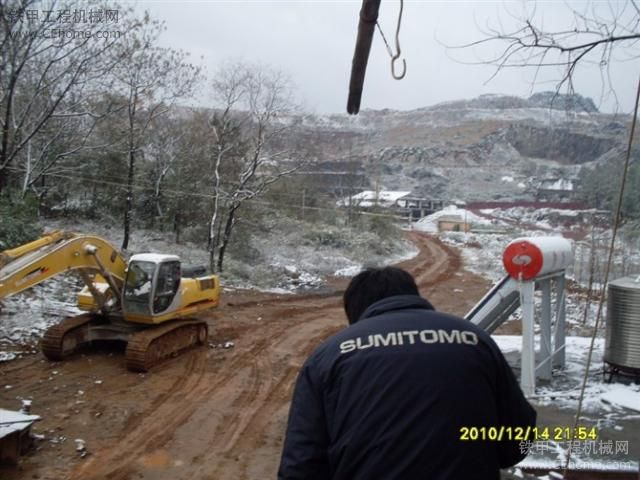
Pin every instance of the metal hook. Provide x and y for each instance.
(393, 66)
(398, 51)
(395, 56)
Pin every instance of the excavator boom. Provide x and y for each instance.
(30, 264)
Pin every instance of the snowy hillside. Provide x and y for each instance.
(463, 149)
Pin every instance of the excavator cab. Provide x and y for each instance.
(151, 285)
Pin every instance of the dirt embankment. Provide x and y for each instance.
(212, 413)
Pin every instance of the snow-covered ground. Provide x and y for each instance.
(606, 405)
(564, 390)
(292, 265)
(25, 317)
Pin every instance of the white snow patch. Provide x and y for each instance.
(624, 398)
(560, 184)
(7, 356)
(348, 271)
(564, 389)
(370, 198)
(276, 291)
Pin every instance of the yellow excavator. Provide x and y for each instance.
(147, 302)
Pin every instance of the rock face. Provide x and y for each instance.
(558, 101)
(493, 147)
(560, 144)
(548, 100)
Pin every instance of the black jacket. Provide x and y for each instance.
(390, 396)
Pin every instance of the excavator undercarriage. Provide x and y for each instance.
(146, 346)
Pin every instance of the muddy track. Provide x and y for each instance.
(435, 262)
(214, 413)
(248, 389)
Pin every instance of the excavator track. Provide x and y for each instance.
(65, 337)
(154, 345)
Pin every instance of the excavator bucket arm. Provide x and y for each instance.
(58, 252)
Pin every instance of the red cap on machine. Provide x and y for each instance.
(522, 260)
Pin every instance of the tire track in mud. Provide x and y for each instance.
(268, 370)
(259, 415)
(270, 387)
(148, 431)
(194, 388)
(279, 300)
(435, 262)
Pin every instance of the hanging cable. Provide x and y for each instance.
(181, 193)
(616, 225)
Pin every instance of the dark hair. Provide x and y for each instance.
(374, 284)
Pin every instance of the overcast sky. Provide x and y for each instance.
(313, 41)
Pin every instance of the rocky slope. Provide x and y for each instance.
(488, 148)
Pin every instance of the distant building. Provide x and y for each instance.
(400, 202)
(372, 198)
(417, 207)
(453, 223)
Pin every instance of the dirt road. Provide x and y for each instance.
(213, 413)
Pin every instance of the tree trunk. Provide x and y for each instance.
(133, 103)
(213, 237)
(129, 202)
(226, 237)
(94, 201)
(27, 174)
(3, 179)
(158, 198)
(4, 145)
(177, 228)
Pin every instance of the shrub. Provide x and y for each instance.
(18, 221)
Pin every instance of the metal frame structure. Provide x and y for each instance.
(504, 299)
(552, 344)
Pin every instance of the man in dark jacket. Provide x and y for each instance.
(393, 395)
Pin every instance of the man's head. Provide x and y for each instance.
(374, 284)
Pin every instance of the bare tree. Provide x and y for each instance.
(48, 73)
(244, 128)
(175, 153)
(598, 34)
(149, 79)
(190, 172)
(60, 146)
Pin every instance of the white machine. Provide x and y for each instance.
(530, 263)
